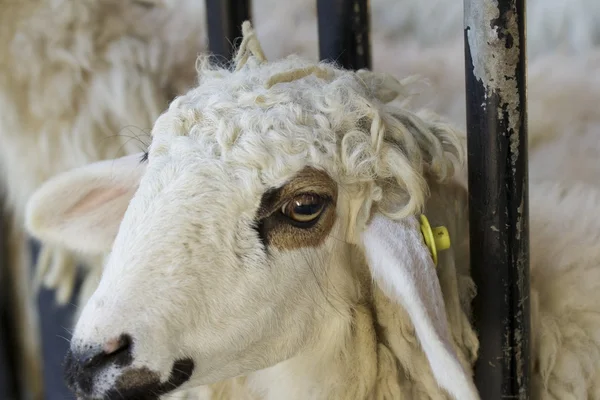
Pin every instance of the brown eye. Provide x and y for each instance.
(305, 208)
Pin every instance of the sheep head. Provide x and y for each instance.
(236, 235)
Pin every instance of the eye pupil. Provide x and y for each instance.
(305, 208)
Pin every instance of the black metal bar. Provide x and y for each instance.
(495, 70)
(344, 27)
(53, 320)
(224, 20)
(9, 345)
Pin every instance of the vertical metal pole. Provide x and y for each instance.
(344, 32)
(9, 349)
(495, 62)
(225, 18)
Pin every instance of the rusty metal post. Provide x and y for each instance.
(344, 32)
(495, 70)
(224, 21)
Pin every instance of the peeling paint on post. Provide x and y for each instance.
(495, 65)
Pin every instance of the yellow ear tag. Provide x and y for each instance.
(436, 239)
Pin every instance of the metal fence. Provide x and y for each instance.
(495, 67)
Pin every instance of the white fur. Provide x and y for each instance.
(102, 219)
(402, 266)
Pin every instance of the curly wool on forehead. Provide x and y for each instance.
(291, 108)
(278, 117)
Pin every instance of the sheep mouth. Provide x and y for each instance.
(142, 384)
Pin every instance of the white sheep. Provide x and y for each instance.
(270, 249)
(80, 81)
(67, 103)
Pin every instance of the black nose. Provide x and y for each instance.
(82, 364)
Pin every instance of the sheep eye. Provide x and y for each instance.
(304, 209)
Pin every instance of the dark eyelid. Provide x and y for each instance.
(300, 193)
(144, 158)
(277, 201)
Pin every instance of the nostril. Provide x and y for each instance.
(117, 344)
(115, 350)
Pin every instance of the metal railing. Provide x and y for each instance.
(495, 72)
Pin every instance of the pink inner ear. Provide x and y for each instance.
(95, 199)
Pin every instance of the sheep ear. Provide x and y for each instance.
(82, 209)
(402, 266)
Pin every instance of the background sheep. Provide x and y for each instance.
(565, 25)
(78, 82)
(283, 295)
